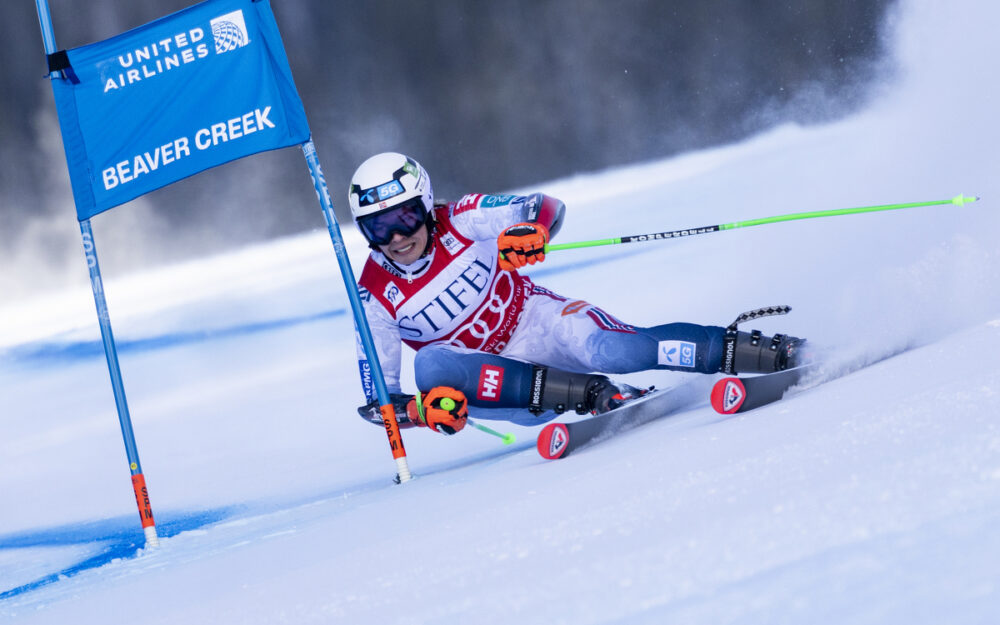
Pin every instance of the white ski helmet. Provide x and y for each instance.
(384, 182)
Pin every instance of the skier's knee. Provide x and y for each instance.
(439, 365)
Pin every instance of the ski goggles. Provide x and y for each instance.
(405, 219)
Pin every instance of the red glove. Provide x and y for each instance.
(522, 244)
(445, 410)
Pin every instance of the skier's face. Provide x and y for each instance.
(406, 250)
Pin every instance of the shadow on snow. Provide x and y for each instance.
(121, 538)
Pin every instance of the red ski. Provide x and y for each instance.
(733, 395)
(558, 440)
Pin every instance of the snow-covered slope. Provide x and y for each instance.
(873, 498)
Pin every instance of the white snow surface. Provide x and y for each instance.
(873, 498)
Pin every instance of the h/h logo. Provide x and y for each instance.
(490, 383)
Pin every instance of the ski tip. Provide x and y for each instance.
(728, 395)
(553, 441)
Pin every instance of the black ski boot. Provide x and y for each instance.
(604, 395)
(557, 390)
(752, 352)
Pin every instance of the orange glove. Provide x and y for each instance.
(445, 410)
(522, 244)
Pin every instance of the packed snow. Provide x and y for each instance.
(872, 498)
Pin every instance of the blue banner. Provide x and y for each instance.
(202, 87)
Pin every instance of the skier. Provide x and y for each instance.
(443, 278)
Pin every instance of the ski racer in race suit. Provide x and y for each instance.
(443, 278)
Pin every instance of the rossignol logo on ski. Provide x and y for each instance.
(728, 395)
(553, 441)
(559, 439)
(734, 395)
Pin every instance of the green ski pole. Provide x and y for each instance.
(958, 200)
(506, 438)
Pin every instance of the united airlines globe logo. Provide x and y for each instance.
(229, 32)
(227, 37)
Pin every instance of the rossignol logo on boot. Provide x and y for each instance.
(728, 360)
(490, 383)
(537, 386)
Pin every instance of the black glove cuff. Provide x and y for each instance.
(372, 411)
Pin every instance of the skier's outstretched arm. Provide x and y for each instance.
(484, 217)
(524, 243)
